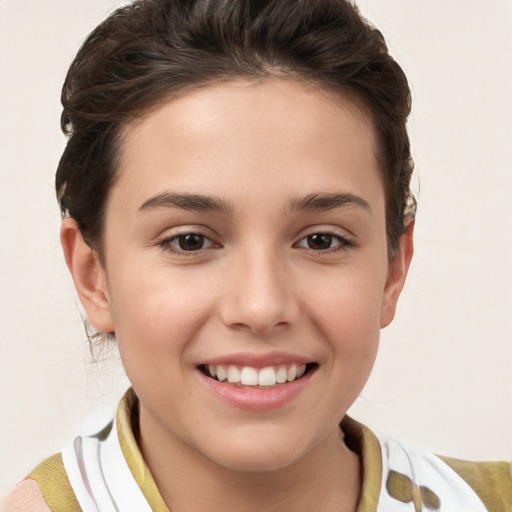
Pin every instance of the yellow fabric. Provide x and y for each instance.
(491, 481)
(363, 442)
(133, 456)
(53, 481)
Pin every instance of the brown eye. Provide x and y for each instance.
(187, 243)
(190, 242)
(324, 242)
(319, 241)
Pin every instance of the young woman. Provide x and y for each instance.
(237, 217)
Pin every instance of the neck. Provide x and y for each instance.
(326, 479)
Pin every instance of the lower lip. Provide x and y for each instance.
(257, 399)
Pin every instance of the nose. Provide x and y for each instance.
(259, 293)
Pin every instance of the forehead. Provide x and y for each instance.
(263, 136)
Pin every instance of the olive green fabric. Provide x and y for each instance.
(363, 441)
(491, 481)
(53, 481)
(402, 488)
(128, 409)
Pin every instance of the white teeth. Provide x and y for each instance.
(249, 376)
(233, 374)
(221, 373)
(292, 372)
(267, 377)
(281, 375)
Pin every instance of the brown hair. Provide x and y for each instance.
(150, 49)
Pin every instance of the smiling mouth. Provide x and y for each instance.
(267, 377)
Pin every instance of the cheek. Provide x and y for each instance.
(347, 304)
(155, 315)
(347, 315)
(154, 329)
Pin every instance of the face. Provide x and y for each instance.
(245, 238)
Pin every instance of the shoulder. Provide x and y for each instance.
(491, 481)
(443, 483)
(45, 489)
(25, 497)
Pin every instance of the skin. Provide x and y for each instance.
(25, 497)
(257, 284)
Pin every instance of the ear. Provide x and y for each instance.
(88, 275)
(397, 272)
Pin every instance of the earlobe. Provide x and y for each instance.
(88, 275)
(397, 273)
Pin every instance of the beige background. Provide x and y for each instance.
(443, 377)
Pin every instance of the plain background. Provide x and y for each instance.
(443, 376)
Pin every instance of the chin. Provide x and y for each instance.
(254, 455)
(257, 462)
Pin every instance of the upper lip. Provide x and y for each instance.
(257, 360)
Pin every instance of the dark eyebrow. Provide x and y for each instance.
(195, 202)
(321, 202)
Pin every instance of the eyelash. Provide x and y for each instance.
(343, 243)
